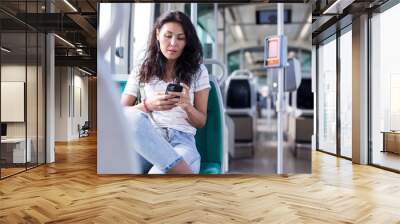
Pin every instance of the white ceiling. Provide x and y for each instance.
(254, 34)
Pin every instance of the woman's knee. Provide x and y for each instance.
(136, 119)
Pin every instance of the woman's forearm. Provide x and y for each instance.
(129, 101)
(196, 118)
(139, 106)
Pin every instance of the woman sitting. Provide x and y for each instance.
(166, 121)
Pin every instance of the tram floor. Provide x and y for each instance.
(264, 157)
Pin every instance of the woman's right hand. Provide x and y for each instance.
(162, 102)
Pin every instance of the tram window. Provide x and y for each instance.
(157, 11)
(234, 61)
(269, 16)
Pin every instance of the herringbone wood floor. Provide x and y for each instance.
(70, 191)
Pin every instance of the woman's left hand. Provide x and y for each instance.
(184, 98)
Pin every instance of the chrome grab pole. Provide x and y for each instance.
(280, 105)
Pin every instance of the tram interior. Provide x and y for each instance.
(232, 36)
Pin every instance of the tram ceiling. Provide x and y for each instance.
(243, 31)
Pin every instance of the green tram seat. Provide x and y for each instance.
(209, 139)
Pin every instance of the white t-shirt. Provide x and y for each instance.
(176, 117)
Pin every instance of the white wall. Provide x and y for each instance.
(80, 114)
(12, 101)
(12, 73)
(61, 103)
(71, 93)
(33, 125)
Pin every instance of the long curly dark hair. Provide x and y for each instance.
(154, 64)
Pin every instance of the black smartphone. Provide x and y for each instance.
(173, 87)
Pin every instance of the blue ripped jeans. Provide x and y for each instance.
(162, 148)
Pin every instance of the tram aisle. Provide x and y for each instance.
(264, 160)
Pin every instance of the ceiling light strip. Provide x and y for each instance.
(70, 5)
(5, 49)
(65, 41)
(84, 71)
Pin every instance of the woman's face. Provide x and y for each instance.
(172, 40)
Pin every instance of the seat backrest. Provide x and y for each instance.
(209, 139)
(239, 94)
